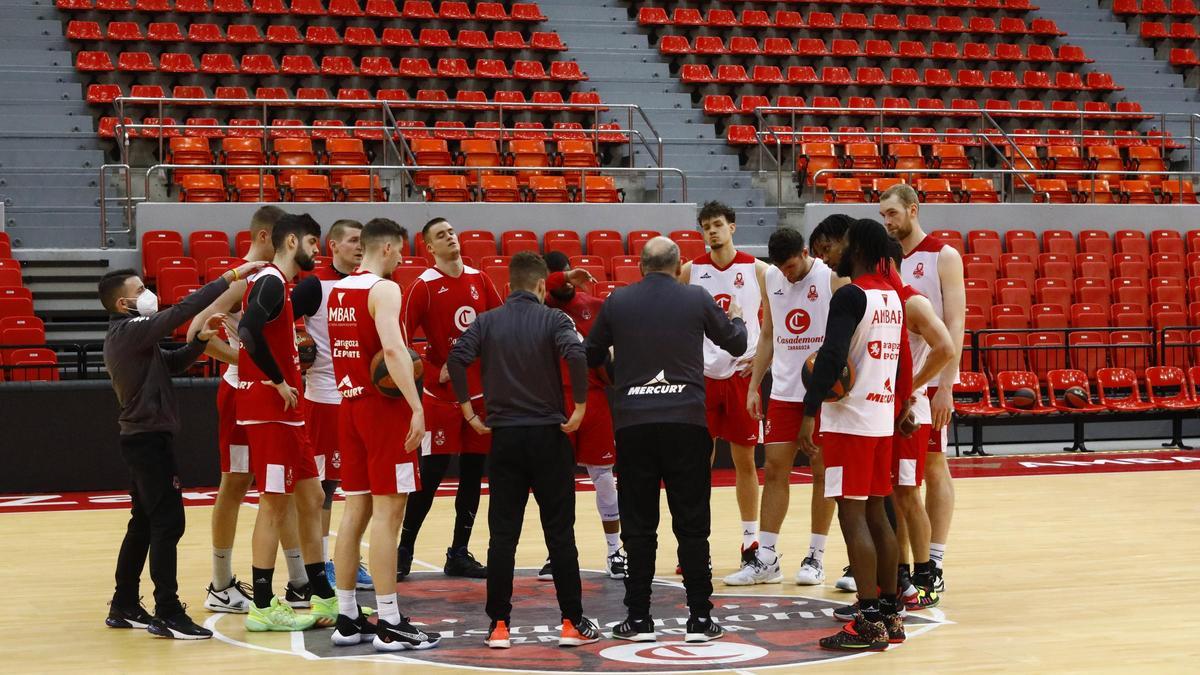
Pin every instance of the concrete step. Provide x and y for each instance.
(51, 196)
(14, 59)
(51, 158)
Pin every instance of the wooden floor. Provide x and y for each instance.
(1078, 573)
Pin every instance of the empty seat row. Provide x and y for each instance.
(871, 49)
(419, 10)
(849, 21)
(299, 187)
(1180, 8)
(463, 98)
(701, 73)
(505, 188)
(1117, 391)
(897, 106)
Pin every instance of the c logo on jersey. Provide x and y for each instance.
(875, 349)
(464, 316)
(919, 271)
(812, 293)
(723, 300)
(798, 321)
(738, 281)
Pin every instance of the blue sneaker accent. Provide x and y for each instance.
(329, 574)
(364, 581)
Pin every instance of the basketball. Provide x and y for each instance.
(307, 347)
(841, 386)
(1023, 398)
(383, 380)
(1076, 397)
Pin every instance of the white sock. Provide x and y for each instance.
(816, 546)
(222, 568)
(613, 540)
(749, 533)
(936, 553)
(325, 548)
(297, 575)
(347, 603)
(766, 546)
(388, 610)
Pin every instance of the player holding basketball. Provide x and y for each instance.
(443, 302)
(798, 289)
(268, 410)
(595, 445)
(866, 322)
(728, 274)
(379, 464)
(935, 270)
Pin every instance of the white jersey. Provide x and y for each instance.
(799, 313)
(320, 386)
(919, 269)
(870, 407)
(737, 281)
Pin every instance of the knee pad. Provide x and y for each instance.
(330, 487)
(606, 492)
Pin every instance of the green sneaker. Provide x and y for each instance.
(325, 610)
(278, 617)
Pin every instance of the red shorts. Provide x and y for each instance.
(908, 457)
(321, 421)
(783, 422)
(594, 442)
(447, 433)
(857, 467)
(373, 456)
(281, 456)
(231, 438)
(725, 407)
(937, 439)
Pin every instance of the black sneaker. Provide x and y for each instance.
(460, 563)
(544, 574)
(352, 631)
(618, 565)
(903, 578)
(177, 627)
(404, 558)
(127, 617)
(635, 630)
(401, 636)
(846, 612)
(703, 629)
(939, 584)
(895, 627)
(859, 635)
(298, 598)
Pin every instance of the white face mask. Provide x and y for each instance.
(147, 303)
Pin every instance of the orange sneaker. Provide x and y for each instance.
(498, 636)
(575, 635)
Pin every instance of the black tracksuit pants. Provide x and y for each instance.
(540, 459)
(155, 523)
(677, 455)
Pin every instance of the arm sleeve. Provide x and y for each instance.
(846, 309)
(555, 281)
(180, 359)
(306, 297)
(160, 325)
(599, 339)
(264, 304)
(728, 334)
(572, 351)
(462, 355)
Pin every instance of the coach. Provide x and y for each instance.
(657, 328)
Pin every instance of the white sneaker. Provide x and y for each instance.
(756, 571)
(232, 600)
(846, 583)
(810, 573)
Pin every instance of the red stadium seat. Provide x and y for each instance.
(1118, 391)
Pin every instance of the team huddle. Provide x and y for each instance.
(859, 338)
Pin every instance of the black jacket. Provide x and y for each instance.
(520, 344)
(657, 329)
(141, 369)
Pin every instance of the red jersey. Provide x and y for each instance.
(583, 309)
(444, 307)
(353, 338)
(257, 399)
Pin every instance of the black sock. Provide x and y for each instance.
(466, 501)
(924, 569)
(263, 592)
(870, 609)
(889, 604)
(318, 581)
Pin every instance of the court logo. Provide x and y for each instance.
(798, 321)
(710, 653)
(463, 317)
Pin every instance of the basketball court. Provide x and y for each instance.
(1063, 562)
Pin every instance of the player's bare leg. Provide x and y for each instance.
(388, 515)
(822, 509)
(297, 592)
(939, 504)
(765, 567)
(746, 488)
(224, 595)
(351, 624)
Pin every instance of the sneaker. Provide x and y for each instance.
(910, 597)
(857, 636)
(939, 584)
(618, 564)
(404, 558)
(810, 573)
(846, 612)
(748, 554)
(547, 572)
(460, 563)
(330, 573)
(279, 617)
(352, 631)
(177, 627)
(326, 611)
(894, 623)
(574, 635)
(703, 629)
(363, 580)
(635, 630)
(756, 572)
(404, 635)
(904, 582)
(298, 598)
(127, 617)
(234, 599)
(846, 582)
(925, 598)
(497, 637)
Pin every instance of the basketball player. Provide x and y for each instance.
(935, 270)
(728, 274)
(866, 322)
(321, 398)
(798, 289)
(379, 465)
(443, 301)
(595, 445)
(267, 408)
